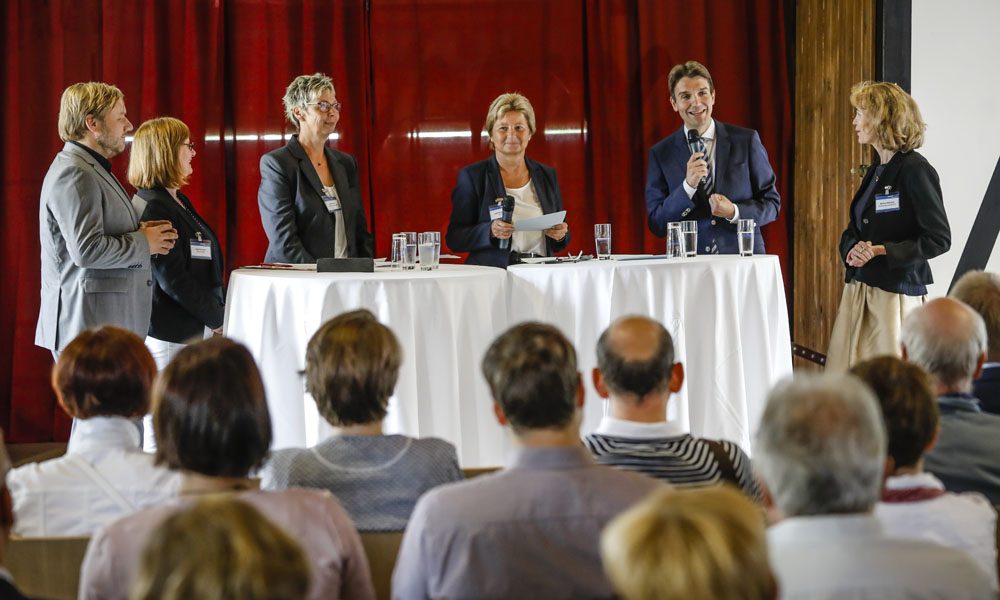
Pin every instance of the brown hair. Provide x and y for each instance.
(224, 549)
(352, 365)
(700, 543)
(981, 291)
(104, 372)
(153, 160)
(82, 99)
(209, 411)
(691, 68)
(894, 114)
(908, 405)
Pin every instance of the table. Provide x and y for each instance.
(444, 319)
(726, 314)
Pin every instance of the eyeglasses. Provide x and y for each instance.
(324, 106)
(189, 145)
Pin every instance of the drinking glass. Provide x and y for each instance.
(409, 250)
(675, 241)
(396, 251)
(427, 250)
(602, 240)
(436, 237)
(744, 232)
(690, 231)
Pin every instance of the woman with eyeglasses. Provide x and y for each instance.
(188, 299)
(309, 196)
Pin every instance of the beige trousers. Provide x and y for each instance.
(868, 324)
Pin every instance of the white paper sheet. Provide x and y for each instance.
(541, 223)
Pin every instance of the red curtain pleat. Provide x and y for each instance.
(416, 79)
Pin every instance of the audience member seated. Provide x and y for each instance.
(8, 591)
(211, 422)
(637, 372)
(915, 504)
(981, 291)
(102, 379)
(699, 543)
(352, 365)
(820, 452)
(531, 530)
(948, 340)
(222, 549)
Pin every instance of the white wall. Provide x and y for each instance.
(956, 81)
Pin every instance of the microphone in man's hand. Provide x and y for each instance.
(507, 217)
(693, 145)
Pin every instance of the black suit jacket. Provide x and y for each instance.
(298, 225)
(987, 389)
(913, 234)
(9, 592)
(478, 187)
(187, 292)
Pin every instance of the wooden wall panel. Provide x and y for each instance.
(835, 48)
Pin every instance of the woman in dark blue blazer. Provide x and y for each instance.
(309, 197)
(475, 226)
(897, 223)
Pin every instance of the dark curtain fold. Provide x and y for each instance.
(416, 78)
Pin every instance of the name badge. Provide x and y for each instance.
(201, 250)
(496, 212)
(887, 203)
(332, 203)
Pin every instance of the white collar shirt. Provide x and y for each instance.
(639, 431)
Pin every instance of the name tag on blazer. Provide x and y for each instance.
(887, 203)
(201, 250)
(496, 212)
(332, 203)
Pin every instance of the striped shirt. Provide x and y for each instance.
(664, 451)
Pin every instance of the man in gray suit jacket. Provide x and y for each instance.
(95, 252)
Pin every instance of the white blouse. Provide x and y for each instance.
(527, 206)
(339, 233)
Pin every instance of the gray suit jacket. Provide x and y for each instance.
(95, 262)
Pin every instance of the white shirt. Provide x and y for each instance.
(639, 431)
(339, 233)
(966, 521)
(527, 206)
(848, 556)
(709, 139)
(57, 498)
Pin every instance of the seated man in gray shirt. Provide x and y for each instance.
(637, 373)
(531, 530)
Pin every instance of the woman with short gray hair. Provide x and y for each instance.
(309, 196)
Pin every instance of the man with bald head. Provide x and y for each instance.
(948, 339)
(637, 373)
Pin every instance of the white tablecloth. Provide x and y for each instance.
(726, 314)
(444, 319)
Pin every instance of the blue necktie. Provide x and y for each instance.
(707, 180)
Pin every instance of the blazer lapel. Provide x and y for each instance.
(722, 147)
(494, 183)
(886, 179)
(113, 183)
(305, 165)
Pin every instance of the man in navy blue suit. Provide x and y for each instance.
(727, 177)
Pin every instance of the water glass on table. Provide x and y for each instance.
(744, 233)
(675, 241)
(602, 240)
(428, 250)
(689, 229)
(409, 250)
(396, 251)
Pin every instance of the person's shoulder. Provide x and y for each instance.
(434, 446)
(279, 156)
(343, 157)
(668, 142)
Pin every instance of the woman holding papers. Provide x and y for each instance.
(897, 223)
(478, 224)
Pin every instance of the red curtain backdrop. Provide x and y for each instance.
(415, 77)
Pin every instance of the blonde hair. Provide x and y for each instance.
(505, 103)
(80, 100)
(221, 548)
(303, 90)
(702, 543)
(894, 114)
(153, 160)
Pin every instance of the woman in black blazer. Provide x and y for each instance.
(309, 198)
(188, 299)
(475, 226)
(897, 223)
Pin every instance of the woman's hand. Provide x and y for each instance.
(501, 230)
(558, 232)
(862, 252)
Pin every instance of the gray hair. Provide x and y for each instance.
(303, 90)
(946, 338)
(821, 446)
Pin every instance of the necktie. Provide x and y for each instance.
(707, 180)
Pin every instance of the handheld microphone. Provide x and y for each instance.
(507, 217)
(693, 145)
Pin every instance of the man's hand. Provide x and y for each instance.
(501, 230)
(557, 232)
(161, 235)
(697, 167)
(721, 206)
